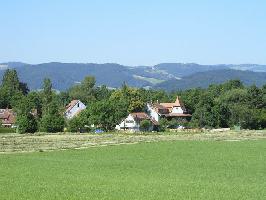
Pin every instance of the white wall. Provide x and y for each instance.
(153, 114)
(71, 113)
(178, 110)
(128, 123)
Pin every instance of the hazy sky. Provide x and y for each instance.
(133, 32)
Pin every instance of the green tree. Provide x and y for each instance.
(145, 125)
(255, 97)
(47, 94)
(204, 116)
(26, 121)
(131, 97)
(52, 120)
(106, 114)
(79, 123)
(36, 100)
(10, 91)
(84, 91)
(163, 124)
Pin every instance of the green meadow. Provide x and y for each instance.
(159, 170)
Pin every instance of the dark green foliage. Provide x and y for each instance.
(78, 123)
(227, 105)
(145, 125)
(106, 114)
(85, 91)
(52, 120)
(163, 124)
(102, 92)
(36, 101)
(130, 97)
(47, 94)
(26, 122)
(11, 89)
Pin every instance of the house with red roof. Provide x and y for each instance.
(168, 110)
(132, 122)
(7, 118)
(74, 108)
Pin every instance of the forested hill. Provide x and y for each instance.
(166, 75)
(204, 79)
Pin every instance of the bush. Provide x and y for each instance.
(27, 124)
(52, 123)
(76, 124)
(145, 125)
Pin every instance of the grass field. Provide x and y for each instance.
(159, 170)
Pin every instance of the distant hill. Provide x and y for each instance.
(180, 70)
(64, 75)
(204, 79)
(165, 75)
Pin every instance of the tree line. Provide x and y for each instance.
(225, 105)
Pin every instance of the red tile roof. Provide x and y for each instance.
(140, 115)
(7, 116)
(177, 103)
(166, 108)
(143, 116)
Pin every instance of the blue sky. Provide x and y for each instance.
(136, 32)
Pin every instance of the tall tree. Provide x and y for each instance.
(131, 97)
(106, 114)
(85, 91)
(10, 89)
(26, 121)
(47, 93)
(52, 119)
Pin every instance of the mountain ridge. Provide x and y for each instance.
(64, 75)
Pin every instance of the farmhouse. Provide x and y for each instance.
(74, 108)
(7, 117)
(133, 120)
(167, 110)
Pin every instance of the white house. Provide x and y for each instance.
(74, 108)
(167, 110)
(132, 122)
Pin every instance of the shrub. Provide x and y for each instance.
(145, 125)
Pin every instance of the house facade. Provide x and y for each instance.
(133, 120)
(167, 110)
(74, 108)
(7, 118)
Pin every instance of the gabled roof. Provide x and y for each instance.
(71, 105)
(158, 106)
(165, 109)
(177, 103)
(143, 116)
(140, 115)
